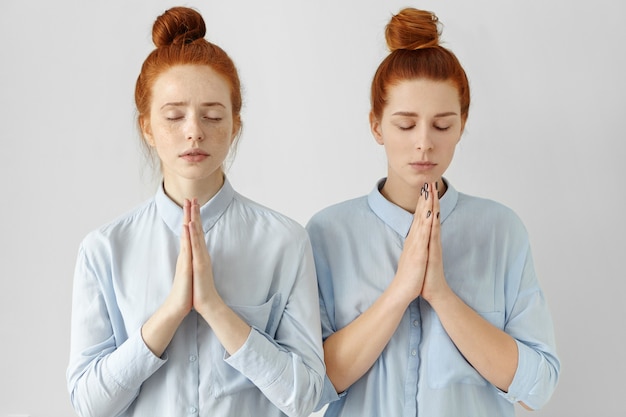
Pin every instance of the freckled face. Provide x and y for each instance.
(190, 124)
(419, 128)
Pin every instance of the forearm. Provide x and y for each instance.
(491, 351)
(292, 380)
(350, 352)
(107, 385)
(158, 331)
(230, 329)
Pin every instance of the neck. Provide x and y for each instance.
(179, 189)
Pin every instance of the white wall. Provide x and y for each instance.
(545, 136)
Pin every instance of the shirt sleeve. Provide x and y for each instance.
(289, 367)
(529, 322)
(326, 304)
(105, 373)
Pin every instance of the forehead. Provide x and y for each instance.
(423, 96)
(190, 84)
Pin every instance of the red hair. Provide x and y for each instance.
(179, 38)
(413, 39)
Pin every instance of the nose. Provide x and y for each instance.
(193, 129)
(423, 141)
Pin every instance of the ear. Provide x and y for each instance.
(146, 130)
(236, 128)
(376, 129)
(462, 131)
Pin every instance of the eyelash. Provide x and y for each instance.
(212, 119)
(441, 129)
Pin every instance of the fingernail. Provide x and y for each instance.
(437, 214)
(428, 214)
(422, 191)
(426, 192)
(426, 186)
(437, 185)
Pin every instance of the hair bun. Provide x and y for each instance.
(178, 25)
(412, 29)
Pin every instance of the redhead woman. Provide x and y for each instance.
(429, 300)
(200, 301)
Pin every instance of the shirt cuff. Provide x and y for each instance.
(329, 394)
(133, 362)
(257, 355)
(524, 377)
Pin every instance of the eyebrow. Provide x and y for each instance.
(183, 103)
(413, 114)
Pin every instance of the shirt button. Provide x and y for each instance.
(193, 410)
(414, 352)
(192, 358)
(416, 323)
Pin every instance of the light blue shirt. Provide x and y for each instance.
(487, 262)
(263, 268)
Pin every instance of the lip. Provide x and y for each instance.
(422, 165)
(194, 155)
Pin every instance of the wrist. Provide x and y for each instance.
(438, 299)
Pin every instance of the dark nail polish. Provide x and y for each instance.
(426, 186)
(422, 191)
(437, 214)
(426, 197)
(437, 185)
(428, 214)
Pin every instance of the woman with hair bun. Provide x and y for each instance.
(429, 300)
(200, 301)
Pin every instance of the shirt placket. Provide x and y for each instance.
(413, 363)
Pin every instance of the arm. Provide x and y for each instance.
(286, 365)
(519, 360)
(491, 351)
(230, 329)
(350, 352)
(105, 372)
(104, 378)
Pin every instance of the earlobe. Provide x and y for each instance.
(375, 128)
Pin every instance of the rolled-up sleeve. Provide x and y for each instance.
(529, 322)
(103, 378)
(289, 368)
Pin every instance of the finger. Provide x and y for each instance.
(435, 234)
(436, 204)
(184, 256)
(186, 211)
(195, 213)
(424, 208)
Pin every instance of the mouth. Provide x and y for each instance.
(422, 165)
(194, 152)
(194, 155)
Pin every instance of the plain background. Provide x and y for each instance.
(545, 136)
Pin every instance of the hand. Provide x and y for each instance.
(414, 257)
(181, 294)
(205, 295)
(435, 283)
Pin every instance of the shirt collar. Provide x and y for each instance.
(399, 219)
(172, 213)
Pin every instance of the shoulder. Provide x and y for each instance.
(341, 213)
(487, 212)
(256, 215)
(120, 227)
